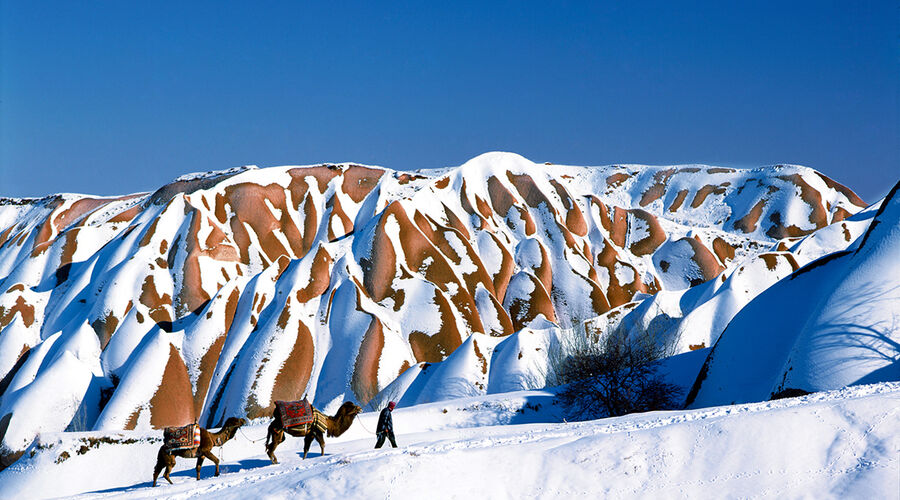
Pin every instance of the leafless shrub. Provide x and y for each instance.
(606, 374)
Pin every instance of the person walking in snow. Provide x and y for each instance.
(385, 428)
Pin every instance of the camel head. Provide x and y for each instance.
(348, 409)
(343, 418)
(234, 422)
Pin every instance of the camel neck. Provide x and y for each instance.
(222, 436)
(340, 423)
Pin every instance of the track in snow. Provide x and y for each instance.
(830, 444)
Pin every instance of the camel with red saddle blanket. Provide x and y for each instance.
(192, 441)
(301, 419)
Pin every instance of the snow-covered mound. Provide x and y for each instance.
(222, 292)
(835, 322)
(839, 444)
(695, 318)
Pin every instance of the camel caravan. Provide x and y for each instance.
(297, 418)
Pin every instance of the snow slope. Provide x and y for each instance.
(837, 444)
(834, 322)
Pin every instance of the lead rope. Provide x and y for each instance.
(363, 426)
(222, 451)
(251, 440)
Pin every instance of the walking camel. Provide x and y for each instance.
(334, 426)
(166, 459)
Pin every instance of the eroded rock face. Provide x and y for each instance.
(757, 203)
(331, 280)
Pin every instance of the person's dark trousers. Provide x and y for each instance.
(382, 435)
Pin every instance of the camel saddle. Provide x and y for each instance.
(180, 438)
(295, 413)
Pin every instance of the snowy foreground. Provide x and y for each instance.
(836, 444)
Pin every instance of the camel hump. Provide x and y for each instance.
(295, 413)
(180, 438)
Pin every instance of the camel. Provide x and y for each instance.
(166, 459)
(335, 426)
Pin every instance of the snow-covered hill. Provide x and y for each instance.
(222, 292)
(838, 444)
(834, 322)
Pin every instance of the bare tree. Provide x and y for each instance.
(606, 374)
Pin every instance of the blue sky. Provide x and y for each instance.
(113, 97)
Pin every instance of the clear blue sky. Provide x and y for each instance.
(115, 97)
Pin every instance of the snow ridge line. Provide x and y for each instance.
(681, 416)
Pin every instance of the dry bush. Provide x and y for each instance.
(607, 374)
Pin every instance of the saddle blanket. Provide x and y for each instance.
(318, 422)
(294, 413)
(179, 438)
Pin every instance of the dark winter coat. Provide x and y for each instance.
(385, 422)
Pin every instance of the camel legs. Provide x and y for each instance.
(163, 461)
(208, 454)
(277, 436)
(321, 440)
(156, 470)
(199, 465)
(166, 473)
(307, 441)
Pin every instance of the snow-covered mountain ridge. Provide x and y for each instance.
(219, 293)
